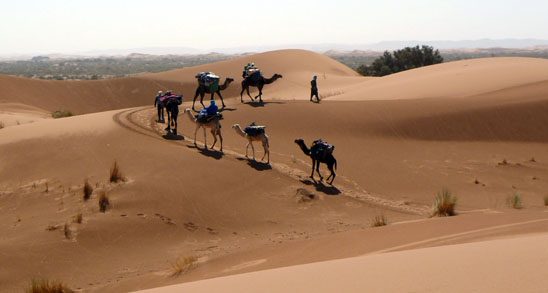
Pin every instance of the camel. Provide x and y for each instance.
(248, 81)
(328, 159)
(260, 137)
(202, 90)
(172, 109)
(214, 124)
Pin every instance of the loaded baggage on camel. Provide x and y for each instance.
(254, 130)
(203, 117)
(320, 148)
(209, 80)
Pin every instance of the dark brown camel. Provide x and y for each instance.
(172, 109)
(328, 159)
(202, 90)
(259, 83)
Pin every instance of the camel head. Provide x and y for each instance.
(299, 141)
(229, 79)
(236, 126)
(187, 110)
(278, 75)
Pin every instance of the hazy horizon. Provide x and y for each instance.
(65, 27)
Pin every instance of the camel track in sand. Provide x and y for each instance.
(139, 121)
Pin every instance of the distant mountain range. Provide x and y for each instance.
(381, 46)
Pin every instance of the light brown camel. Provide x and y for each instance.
(214, 124)
(262, 137)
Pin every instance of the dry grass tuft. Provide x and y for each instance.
(88, 190)
(45, 286)
(305, 195)
(67, 231)
(115, 174)
(182, 265)
(61, 114)
(78, 218)
(503, 163)
(104, 202)
(379, 221)
(52, 227)
(546, 200)
(515, 201)
(444, 204)
(47, 188)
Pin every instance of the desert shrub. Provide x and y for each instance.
(305, 195)
(546, 200)
(45, 286)
(67, 231)
(61, 114)
(115, 174)
(444, 204)
(401, 60)
(182, 265)
(78, 218)
(515, 201)
(104, 202)
(379, 220)
(87, 190)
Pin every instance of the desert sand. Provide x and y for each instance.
(476, 127)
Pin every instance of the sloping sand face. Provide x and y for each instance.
(506, 265)
(484, 141)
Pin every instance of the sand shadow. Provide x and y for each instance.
(171, 136)
(217, 155)
(227, 109)
(327, 189)
(256, 104)
(259, 166)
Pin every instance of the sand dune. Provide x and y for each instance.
(492, 266)
(453, 79)
(239, 216)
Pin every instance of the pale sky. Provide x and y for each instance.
(61, 26)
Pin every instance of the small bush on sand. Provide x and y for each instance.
(67, 231)
(115, 174)
(88, 190)
(182, 265)
(304, 195)
(104, 203)
(78, 218)
(515, 201)
(379, 220)
(45, 286)
(546, 200)
(444, 204)
(61, 114)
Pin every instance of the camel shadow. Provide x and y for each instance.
(256, 104)
(171, 136)
(217, 155)
(259, 166)
(329, 190)
(227, 109)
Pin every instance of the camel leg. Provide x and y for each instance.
(195, 96)
(253, 149)
(220, 137)
(246, 148)
(332, 176)
(195, 132)
(242, 94)
(260, 94)
(249, 94)
(318, 170)
(266, 151)
(221, 97)
(313, 166)
(168, 121)
(214, 138)
(205, 138)
(202, 99)
(175, 120)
